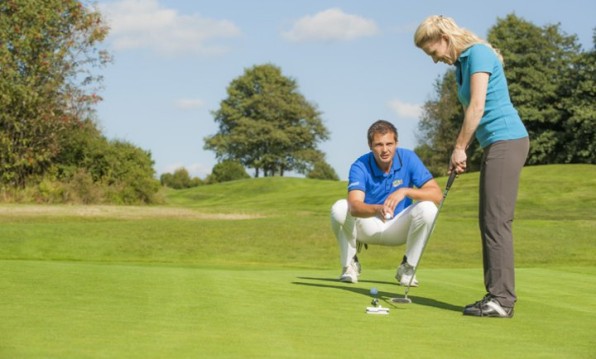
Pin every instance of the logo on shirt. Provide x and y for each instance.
(353, 184)
(397, 182)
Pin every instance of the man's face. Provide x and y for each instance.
(383, 148)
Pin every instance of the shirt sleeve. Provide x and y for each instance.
(357, 177)
(481, 59)
(420, 174)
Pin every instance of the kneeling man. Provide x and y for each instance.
(392, 200)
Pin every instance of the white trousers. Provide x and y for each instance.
(411, 227)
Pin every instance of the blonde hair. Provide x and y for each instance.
(436, 26)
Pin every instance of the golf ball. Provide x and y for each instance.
(374, 291)
(388, 216)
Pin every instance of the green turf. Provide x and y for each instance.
(86, 310)
(181, 281)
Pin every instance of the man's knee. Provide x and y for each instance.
(339, 211)
(426, 211)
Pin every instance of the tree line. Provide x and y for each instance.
(52, 150)
(552, 85)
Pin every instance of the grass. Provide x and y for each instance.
(248, 269)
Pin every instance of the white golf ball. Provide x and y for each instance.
(388, 216)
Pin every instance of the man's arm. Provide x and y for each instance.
(360, 209)
(430, 191)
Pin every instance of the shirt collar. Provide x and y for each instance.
(396, 165)
(465, 53)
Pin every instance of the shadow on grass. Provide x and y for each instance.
(384, 296)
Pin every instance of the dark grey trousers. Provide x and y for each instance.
(501, 167)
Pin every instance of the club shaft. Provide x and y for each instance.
(432, 228)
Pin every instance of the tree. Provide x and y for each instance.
(578, 98)
(180, 179)
(266, 124)
(322, 170)
(129, 174)
(551, 83)
(48, 50)
(441, 120)
(227, 170)
(537, 62)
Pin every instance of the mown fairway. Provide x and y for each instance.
(248, 270)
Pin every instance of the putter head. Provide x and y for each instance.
(404, 300)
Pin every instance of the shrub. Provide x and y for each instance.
(228, 170)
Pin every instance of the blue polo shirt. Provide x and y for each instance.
(500, 120)
(407, 170)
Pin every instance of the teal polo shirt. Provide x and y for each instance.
(407, 170)
(500, 120)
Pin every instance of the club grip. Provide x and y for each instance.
(451, 179)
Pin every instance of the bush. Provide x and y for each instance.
(179, 179)
(228, 170)
(322, 170)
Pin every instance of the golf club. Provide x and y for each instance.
(405, 299)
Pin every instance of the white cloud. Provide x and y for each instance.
(189, 103)
(144, 24)
(331, 25)
(405, 110)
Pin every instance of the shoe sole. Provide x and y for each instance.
(482, 314)
(348, 280)
(405, 284)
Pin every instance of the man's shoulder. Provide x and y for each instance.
(405, 153)
(363, 161)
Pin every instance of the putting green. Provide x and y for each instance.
(93, 310)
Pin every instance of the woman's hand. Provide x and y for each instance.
(458, 161)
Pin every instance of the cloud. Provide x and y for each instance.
(189, 103)
(405, 110)
(144, 24)
(331, 25)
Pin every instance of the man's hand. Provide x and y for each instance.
(392, 201)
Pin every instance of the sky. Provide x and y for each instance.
(353, 59)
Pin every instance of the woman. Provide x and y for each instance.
(492, 119)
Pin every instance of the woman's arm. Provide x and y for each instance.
(472, 116)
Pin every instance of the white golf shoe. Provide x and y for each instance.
(404, 274)
(350, 273)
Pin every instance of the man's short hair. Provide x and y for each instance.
(382, 127)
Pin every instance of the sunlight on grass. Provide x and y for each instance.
(249, 269)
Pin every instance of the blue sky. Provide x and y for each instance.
(353, 59)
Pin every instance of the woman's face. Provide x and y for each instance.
(439, 50)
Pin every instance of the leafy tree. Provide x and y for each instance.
(227, 170)
(266, 124)
(551, 83)
(537, 61)
(578, 97)
(129, 173)
(122, 172)
(441, 120)
(179, 179)
(322, 170)
(48, 50)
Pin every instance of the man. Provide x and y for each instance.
(380, 208)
